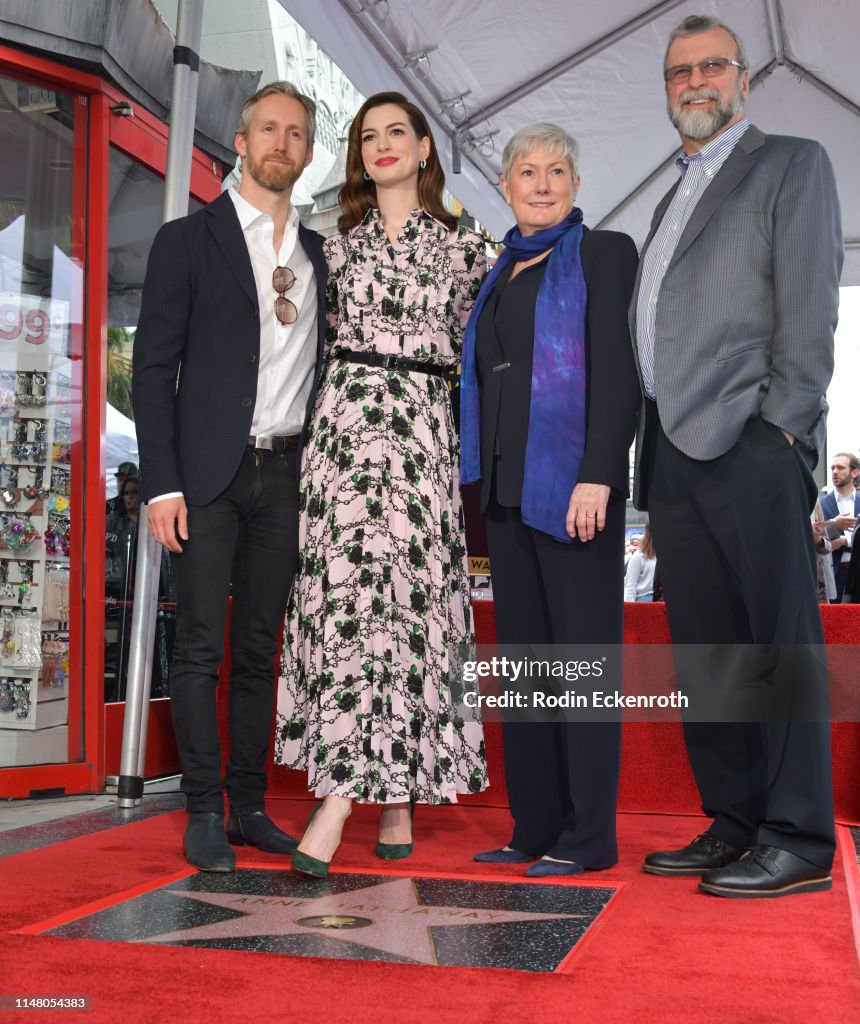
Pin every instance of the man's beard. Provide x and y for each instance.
(700, 123)
(275, 177)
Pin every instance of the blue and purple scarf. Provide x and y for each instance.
(556, 436)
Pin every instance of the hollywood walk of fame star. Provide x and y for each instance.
(398, 922)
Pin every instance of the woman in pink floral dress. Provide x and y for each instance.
(365, 702)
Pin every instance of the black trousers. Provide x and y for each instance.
(736, 557)
(247, 537)
(562, 777)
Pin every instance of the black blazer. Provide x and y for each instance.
(200, 324)
(609, 261)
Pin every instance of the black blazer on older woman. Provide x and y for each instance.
(561, 777)
(609, 261)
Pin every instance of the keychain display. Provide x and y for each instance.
(7, 639)
(36, 418)
(61, 452)
(55, 606)
(30, 482)
(58, 535)
(31, 389)
(60, 481)
(17, 532)
(16, 582)
(21, 640)
(15, 697)
(8, 591)
(55, 661)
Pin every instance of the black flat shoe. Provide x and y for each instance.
(205, 843)
(704, 853)
(544, 868)
(766, 872)
(256, 828)
(502, 856)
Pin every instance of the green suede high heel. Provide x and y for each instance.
(396, 851)
(304, 862)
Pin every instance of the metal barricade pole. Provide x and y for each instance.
(180, 146)
(130, 785)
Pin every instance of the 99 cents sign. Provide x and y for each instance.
(29, 323)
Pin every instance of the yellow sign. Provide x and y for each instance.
(479, 566)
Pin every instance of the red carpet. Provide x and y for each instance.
(660, 953)
(655, 775)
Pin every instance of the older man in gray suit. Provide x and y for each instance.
(733, 319)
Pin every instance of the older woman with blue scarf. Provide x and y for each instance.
(549, 401)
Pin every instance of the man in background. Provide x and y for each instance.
(841, 507)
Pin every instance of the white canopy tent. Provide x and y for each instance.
(483, 68)
(120, 440)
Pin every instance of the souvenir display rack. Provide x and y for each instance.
(35, 538)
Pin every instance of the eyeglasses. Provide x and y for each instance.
(713, 67)
(285, 310)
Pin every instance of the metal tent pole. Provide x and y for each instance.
(177, 179)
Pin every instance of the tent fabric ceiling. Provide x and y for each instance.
(595, 69)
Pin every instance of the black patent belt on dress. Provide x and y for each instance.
(275, 443)
(391, 362)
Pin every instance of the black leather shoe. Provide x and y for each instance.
(704, 853)
(765, 872)
(205, 843)
(256, 828)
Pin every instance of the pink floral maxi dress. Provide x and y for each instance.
(364, 699)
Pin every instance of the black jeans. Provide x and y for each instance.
(247, 536)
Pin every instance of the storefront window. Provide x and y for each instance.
(135, 213)
(42, 232)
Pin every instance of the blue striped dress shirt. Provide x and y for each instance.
(697, 172)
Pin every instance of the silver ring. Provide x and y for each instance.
(590, 515)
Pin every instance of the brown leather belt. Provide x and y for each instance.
(276, 443)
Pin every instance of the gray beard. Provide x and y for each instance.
(702, 124)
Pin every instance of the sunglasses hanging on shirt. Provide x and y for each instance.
(286, 310)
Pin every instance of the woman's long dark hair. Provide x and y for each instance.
(358, 195)
(646, 545)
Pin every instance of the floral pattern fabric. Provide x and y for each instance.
(365, 701)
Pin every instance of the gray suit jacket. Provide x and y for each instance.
(748, 306)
